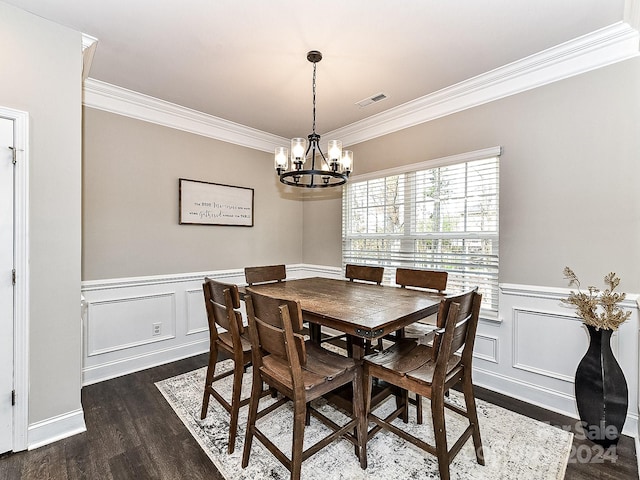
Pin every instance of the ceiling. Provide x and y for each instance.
(245, 60)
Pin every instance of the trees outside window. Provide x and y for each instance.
(443, 218)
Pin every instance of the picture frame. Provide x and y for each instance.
(206, 203)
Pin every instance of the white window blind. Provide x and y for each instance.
(443, 218)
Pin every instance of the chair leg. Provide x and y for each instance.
(405, 402)
(360, 413)
(439, 427)
(419, 409)
(256, 388)
(368, 387)
(472, 414)
(235, 403)
(299, 418)
(211, 370)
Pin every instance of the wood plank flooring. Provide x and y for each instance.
(132, 433)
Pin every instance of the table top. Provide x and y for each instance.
(360, 309)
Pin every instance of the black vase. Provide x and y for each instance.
(601, 390)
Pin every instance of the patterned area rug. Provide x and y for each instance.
(516, 447)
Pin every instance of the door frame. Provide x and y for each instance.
(21, 265)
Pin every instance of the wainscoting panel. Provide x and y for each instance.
(196, 314)
(127, 322)
(535, 350)
(486, 348)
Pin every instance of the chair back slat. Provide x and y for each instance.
(272, 341)
(266, 309)
(460, 330)
(274, 319)
(431, 279)
(221, 301)
(366, 273)
(264, 274)
(465, 308)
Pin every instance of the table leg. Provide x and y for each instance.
(315, 332)
(358, 347)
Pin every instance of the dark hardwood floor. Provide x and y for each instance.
(132, 433)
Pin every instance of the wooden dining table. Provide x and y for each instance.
(361, 310)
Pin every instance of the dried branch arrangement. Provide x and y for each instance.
(596, 308)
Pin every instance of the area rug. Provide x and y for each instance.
(515, 447)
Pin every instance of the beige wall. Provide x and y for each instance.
(41, 74)
(568, 179)
(130, 202)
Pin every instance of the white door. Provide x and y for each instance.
(6, 284)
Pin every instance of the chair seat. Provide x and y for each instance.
(225, 337)
(411, 359)
(321, 366)
(418, 329)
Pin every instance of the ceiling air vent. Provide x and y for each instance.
(372, 99)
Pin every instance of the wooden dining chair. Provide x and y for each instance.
(430, 281)
(265, 274)
(363, 273)
(366, 273)
(301, 371)
(430, 371)
(222, 300)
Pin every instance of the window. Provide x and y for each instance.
(444, 217)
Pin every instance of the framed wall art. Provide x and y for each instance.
(204, 203)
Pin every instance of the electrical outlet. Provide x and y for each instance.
(157, 329)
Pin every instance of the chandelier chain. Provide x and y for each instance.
(314, 97)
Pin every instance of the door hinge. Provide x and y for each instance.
(13, 397)
(13, 276)
(13, 153)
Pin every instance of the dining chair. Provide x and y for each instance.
(431, 370)
(227, 334)
(364, 273)
(301, 371)
(430, 281)
(265, 274)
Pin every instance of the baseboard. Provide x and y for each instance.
(56, 428)
(135, 363)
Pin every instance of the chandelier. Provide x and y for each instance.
(331, 170)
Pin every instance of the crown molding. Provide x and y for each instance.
(89, 45)
(597, 49)
(121, 101)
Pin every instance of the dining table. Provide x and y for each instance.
(364, 311)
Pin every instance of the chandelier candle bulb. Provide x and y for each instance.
(281, 158)
(298, 146)
(334, 148)
(347, 162)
